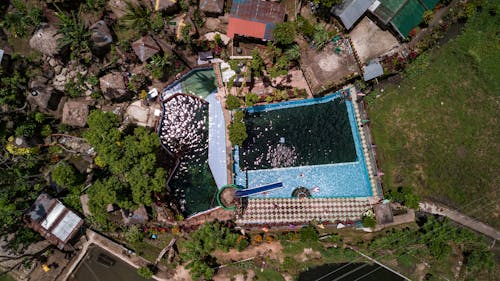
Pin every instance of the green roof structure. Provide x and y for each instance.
(403, 15)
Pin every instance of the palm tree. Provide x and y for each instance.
(73, 31)
(137, 17)
(159, 65)
(293, 53)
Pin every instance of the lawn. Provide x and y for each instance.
(437, 131)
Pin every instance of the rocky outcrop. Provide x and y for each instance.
(45, 40)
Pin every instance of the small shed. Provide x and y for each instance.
(54, 221)
(383, 213)
(373, 70)
(1, 55)
(75, 113)
(45, 40)
(113, 85)
(212, 7)
(350, 11)
(205, 57)
(145, 48)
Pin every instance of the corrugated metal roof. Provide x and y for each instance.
(351, 10)
(372, 70)
(255, 11)
(212, 6)
(53, 215)
(245, 28)
(66, 226)
(1, 55)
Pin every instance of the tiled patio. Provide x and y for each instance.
(294, 210)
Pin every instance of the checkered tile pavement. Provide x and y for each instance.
(294, 210)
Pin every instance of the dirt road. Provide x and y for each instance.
(460, 218)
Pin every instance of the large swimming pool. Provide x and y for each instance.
(323, 153)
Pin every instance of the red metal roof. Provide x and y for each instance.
(245, 28)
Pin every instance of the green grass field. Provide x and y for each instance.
(438, 131)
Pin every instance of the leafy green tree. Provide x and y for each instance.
(369, 221)
(405, 196)
(293, 53)
(20, 183)
(131, 158)
(205, 240)
(65, 175)
(134, 235)
(186, 34)
(304, 27)
(251, 99)
(232, 102)
(309, 234)
(200, 269)
(321, 36)
(284, 33)
(159, 65)
(12, 87)
(137, 17)
(427, 17)
(478, 259)
(257, 63)
(145, 272)
(101, 194)
(237, 129)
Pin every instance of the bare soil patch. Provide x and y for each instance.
(370, 41)
(328, 66)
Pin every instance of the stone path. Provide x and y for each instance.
(295, 210)
(438, 209)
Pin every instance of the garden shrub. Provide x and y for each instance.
(232, 102)
(309, 234)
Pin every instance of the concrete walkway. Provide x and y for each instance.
(438, 209)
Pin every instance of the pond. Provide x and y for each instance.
(349, 272)
(100, 265)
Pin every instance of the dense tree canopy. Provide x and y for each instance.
(237, 129)
(205, 240)
(284, 33)
(130, 157)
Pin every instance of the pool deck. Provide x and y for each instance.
(297, 211)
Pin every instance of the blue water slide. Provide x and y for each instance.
(256, 190)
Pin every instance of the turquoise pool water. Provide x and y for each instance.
(347, 179)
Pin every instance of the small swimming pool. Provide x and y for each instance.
(200, 82)
(327, 158)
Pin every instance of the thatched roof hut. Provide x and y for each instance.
(212, 7)
(75, 113)
(145, 48)
(113, 85)
(45, 40)
(45, 97)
